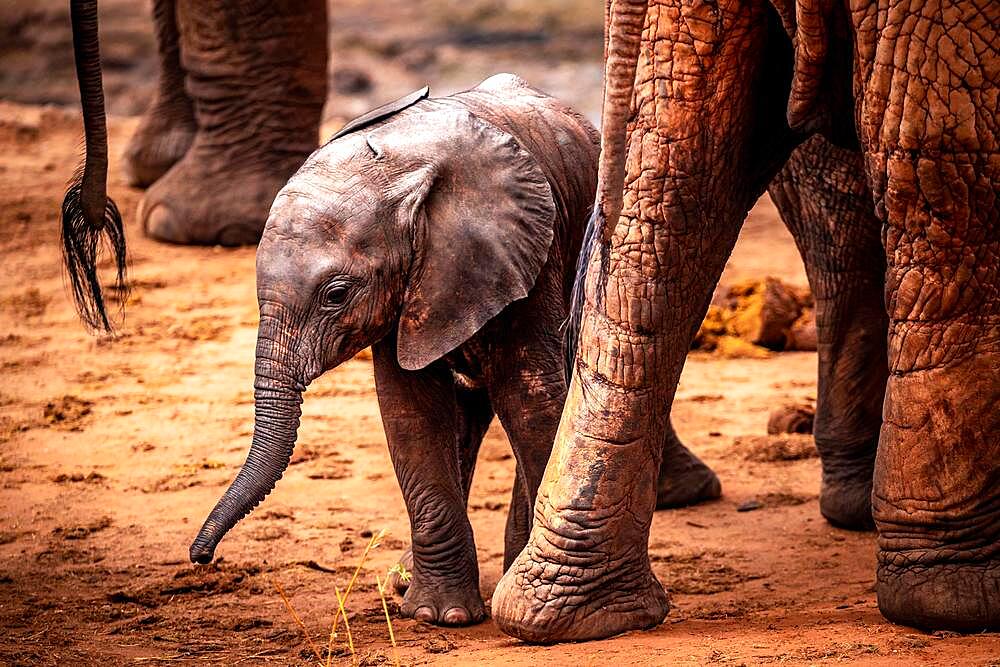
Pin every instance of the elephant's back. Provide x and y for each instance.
(565, 143)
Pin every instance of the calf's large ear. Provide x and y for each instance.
(482, 218)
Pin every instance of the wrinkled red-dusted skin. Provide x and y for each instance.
(707, 127)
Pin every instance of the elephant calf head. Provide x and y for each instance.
(429, 222)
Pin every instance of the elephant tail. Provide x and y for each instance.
(571, 329)
(623, 26)
(89, 216)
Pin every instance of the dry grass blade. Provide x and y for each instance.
(374, 542)
(298, 621)
(333, 638)
(347, 625)
(388, 621)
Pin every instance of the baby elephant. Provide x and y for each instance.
(444, 234)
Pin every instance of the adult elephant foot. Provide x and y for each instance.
(958, 597)
(551, 594)
(256, 74)
(845, 498)
(163, 137)
(684, 479)
(848, 505)
(583, 575)
(937, 500)
(209, 199)
(585, 571)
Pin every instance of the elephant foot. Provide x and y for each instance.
(164, 135)
(584, 573)
(847, 503)
(549, 595)
(936, 500)
(684, 480)
(845, 498)
(396, 581)
(213, 199)
(442, 602)
(962, 597)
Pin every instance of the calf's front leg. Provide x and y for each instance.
(419, 413)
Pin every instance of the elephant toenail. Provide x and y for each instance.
(425, 614)
(159, 224)
(457, 616)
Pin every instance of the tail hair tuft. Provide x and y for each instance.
(81, 239)
(571, 328)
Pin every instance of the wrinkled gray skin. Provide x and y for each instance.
(236, 111)
(445, 237)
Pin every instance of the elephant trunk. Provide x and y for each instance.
(278, 400)
(87, 211)
(623, 25)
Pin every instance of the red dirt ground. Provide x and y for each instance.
(112, 453)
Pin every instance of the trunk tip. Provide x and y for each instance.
(201, 552)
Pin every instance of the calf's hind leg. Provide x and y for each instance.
(824, 200)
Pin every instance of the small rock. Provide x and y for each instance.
(796, 418)
(439, 644)
(350, 81)
(749, 505)
(93, 477)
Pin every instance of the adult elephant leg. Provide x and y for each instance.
(257, 74)
(684, 479)
(933, 156)
(706, 136)
(168, 127)
(824, 200)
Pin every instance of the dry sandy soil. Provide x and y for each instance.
(112, 453)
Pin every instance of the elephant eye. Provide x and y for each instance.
(336, 294)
